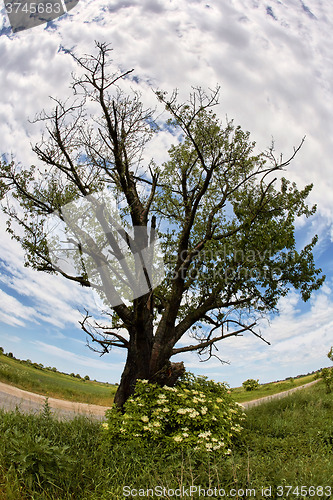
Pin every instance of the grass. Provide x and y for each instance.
(54, 384)
(284, 442)
(241, 395)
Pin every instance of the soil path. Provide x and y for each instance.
(12, 398)
(29, 402)
(279, 395)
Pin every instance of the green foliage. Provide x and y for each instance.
(251, 384)
(330, 354)
(197, 413)
(45, 458)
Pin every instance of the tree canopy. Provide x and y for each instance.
(218, 212)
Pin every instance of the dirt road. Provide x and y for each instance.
(12, 397)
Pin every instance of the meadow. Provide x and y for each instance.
(285, 443)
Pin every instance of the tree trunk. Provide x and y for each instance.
(138, 366)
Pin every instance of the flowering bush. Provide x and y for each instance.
(197, 413)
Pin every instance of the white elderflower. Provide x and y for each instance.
(204, 434)
(178, 439)
(145, 419)
(182, 411)
(204, 410)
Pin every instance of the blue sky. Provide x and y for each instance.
(273, 60)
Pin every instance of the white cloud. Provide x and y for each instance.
(71, 357)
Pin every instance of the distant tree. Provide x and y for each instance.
(1, 350)
(86, 377)
(251, 384)
(224, 221)
(10, 355)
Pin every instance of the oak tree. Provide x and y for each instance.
(221, 212)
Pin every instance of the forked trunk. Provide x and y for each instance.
(138, 366)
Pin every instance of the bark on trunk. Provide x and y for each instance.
(136, 367)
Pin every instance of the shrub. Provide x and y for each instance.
(251, 384)
(197, 413)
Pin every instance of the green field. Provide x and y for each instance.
(54, 384)
(285, 443)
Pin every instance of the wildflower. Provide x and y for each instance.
(165, 410)
(144, 418)
(182, 411)
(217, 446)
(157, 424)
(204, 410)
(193, 414)
(185, 434)
(204, 434)
(105, 425)
(143, 381)
(178, 439)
